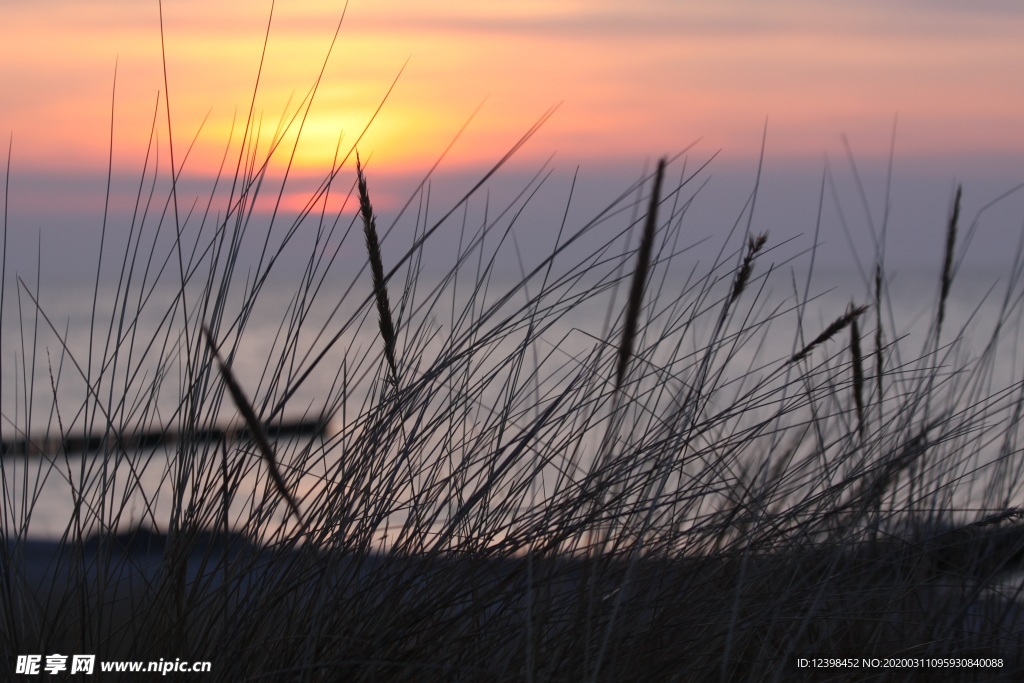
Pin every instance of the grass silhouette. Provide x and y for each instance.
(667, 504)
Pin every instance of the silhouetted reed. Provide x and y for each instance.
(388, 334)
(639, 283)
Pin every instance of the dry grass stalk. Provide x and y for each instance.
(858, 375)
(380, 286)
(947, 264)
(837, 326)
(259, 434)
(878, 336)
(636, 291)
(1013, 514)
(754, 245)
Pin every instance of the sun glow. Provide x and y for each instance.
(633, 81)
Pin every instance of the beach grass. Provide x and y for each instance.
(489, 494)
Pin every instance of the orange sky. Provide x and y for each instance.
(635, 79)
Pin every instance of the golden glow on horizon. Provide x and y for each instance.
(636, 79)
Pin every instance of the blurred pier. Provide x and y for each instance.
(54, 444)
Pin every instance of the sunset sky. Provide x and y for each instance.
(634, 80)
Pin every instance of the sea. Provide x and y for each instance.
(75, 358)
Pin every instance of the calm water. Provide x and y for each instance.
(139, 381)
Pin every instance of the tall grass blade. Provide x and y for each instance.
(754, 245)
(858, 376)
(380, 286)
(947, 261)
(879, 340)
(837, 326)
(636, 291)
(256, 429)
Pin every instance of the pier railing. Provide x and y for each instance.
(142, 439)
